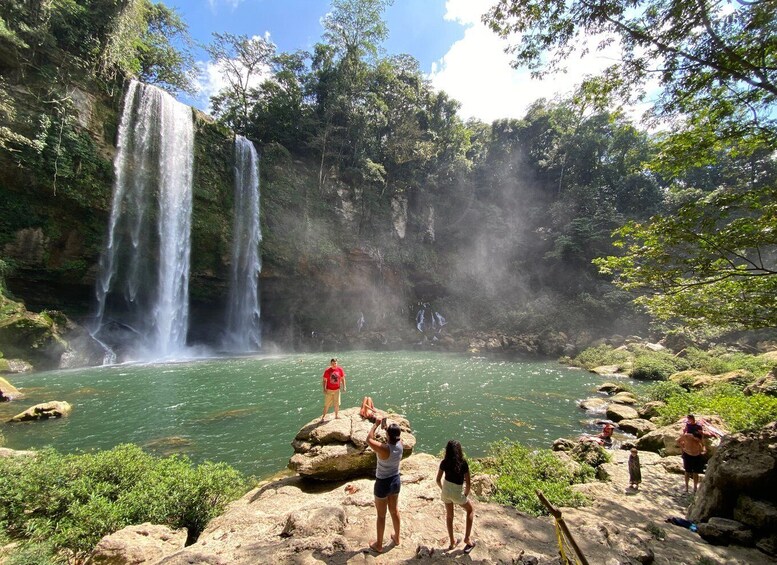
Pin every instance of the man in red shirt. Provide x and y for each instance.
(333, 380)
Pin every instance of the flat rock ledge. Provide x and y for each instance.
(336, 449)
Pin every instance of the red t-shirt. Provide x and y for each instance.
(333, 376)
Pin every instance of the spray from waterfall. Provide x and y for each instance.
(143, 283)
(243, 330)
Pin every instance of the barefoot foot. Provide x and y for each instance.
(375, 547)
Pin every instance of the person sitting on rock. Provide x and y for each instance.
(368, 410)
(606, 435)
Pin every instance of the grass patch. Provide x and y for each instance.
(599, 355)
(522, 471)
(55, 503)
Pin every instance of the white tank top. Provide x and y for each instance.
(389, 467)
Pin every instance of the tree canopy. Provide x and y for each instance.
(712, 258)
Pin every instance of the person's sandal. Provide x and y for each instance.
(469, 547)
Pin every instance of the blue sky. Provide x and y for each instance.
(455, 50)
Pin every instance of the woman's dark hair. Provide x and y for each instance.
(454, 457)
(393, 432)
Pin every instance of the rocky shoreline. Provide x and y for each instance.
(294, 520)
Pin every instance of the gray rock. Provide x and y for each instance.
(337, 449)
(722, 531)
(610, 388)
(649, 410)
(307, 523)
(744, 464)
(758, 514)
(624, 397)
(637, 427)
(135, 545)
(618, 412)
(593, 404)
(768, 545)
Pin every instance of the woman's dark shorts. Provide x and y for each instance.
(693, 463)
(387, 487)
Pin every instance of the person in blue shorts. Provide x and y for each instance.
(387, 480)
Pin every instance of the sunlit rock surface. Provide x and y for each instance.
(133, 545)
(44, 411)
(336, 449)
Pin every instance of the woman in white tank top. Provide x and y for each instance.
(387, 480)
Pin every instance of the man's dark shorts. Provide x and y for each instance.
(387, 487)
(693, 463)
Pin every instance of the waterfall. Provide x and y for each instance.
(243, 331)
(143, 281)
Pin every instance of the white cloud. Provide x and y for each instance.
(231, 3)
(211, 80)
(476, 71)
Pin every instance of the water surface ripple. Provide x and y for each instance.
(245, 411)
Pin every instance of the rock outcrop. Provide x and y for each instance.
(336, 449)
(294, 521)
(44, 411)
(738, 488)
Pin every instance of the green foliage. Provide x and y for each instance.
(655, 365)
(705, 264)
(718, 361)
(35, 553)
(740, 412)
(600, 355)
(522, 471)
(662, 391)
(71, 501)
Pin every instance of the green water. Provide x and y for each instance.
(246, 411)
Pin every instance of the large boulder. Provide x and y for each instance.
(44, 411)
(336, 449)
(134, 545)
(744, 465)
(638, 426)
(618, 412)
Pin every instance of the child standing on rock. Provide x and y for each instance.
(635, 472)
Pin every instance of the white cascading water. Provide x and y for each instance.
(243, 330)
(143, 285)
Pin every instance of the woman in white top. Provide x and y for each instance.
(387, 481)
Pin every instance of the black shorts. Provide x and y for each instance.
(387, 487)
(693, 463)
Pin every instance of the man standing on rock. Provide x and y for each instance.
(333, 380)
(693, 456)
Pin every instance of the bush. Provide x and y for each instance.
(661, 391)
(600, 355)
(655, 366)
(71, 501)
(740, 412)
(522, 471)
(717, 361)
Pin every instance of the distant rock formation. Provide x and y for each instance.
(336, 449)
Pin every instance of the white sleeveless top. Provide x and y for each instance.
(389, 467)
